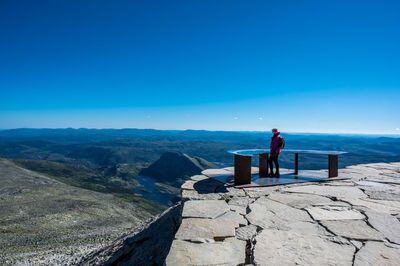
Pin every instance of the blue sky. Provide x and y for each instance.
(301, 66)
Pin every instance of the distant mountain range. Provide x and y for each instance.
(97, 148)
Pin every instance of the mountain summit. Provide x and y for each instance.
(175, 167)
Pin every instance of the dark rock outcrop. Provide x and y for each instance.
(174, 167)
(147, 244)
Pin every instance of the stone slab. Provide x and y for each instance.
(219, 253)
(329, 191)
(199, 177)
(260, 191)
(390, 207)
(194, 195)
(240, 201)
(204, 208)
(377, 253)
(353, 229)
(274, 215)
(193, 229)
(299, 249)
(246, 232)
(299, 200)
(334, 213)
(188, 184)
(386, 224)
(239, 209)
(234, 217)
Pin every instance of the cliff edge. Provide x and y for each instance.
(341, 222)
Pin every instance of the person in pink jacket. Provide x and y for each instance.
(276, 144)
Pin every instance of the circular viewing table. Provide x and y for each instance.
(243, 162)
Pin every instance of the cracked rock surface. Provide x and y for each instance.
(340, 222)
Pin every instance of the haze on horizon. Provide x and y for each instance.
(315, 66)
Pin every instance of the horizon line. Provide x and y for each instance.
(189, 129)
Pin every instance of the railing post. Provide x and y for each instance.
(296, 163)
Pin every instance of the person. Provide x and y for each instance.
(276, 142)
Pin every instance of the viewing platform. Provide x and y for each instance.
(354, 221)
(243, 175)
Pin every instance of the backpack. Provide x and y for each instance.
(281, 143)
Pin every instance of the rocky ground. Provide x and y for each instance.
(342, 222)
(46, 222)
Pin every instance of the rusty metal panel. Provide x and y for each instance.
(242, 169)
(263, 164)
(333, 165)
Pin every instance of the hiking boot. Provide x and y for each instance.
(277, 175)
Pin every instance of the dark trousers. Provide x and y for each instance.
(275, 160)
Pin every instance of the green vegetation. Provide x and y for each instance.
(40, 216)
(97, 180)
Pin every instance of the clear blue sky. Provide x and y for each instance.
(303, 66)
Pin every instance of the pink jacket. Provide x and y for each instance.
(275, 140)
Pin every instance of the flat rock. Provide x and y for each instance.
(339, 183)
(334, 213)
(235, 192)
(246, 232)
(234, 217)
(357, 244)
(389, 194)
(199, 177)
(353, 229)
(299, 200)
(216, 172)
(194, 195)
(239, 209)
(386, 206)
(281, 210)
(260, 191)
(204, 208)
(240, 201)
(219, 253)
(329, 191)
(377, 253)
(373, 185)
(386, 224)
(387, 180)
(274, 215)
(193, 229)
(299, 249)
(188, 184)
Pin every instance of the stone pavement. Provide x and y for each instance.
(341, 222)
